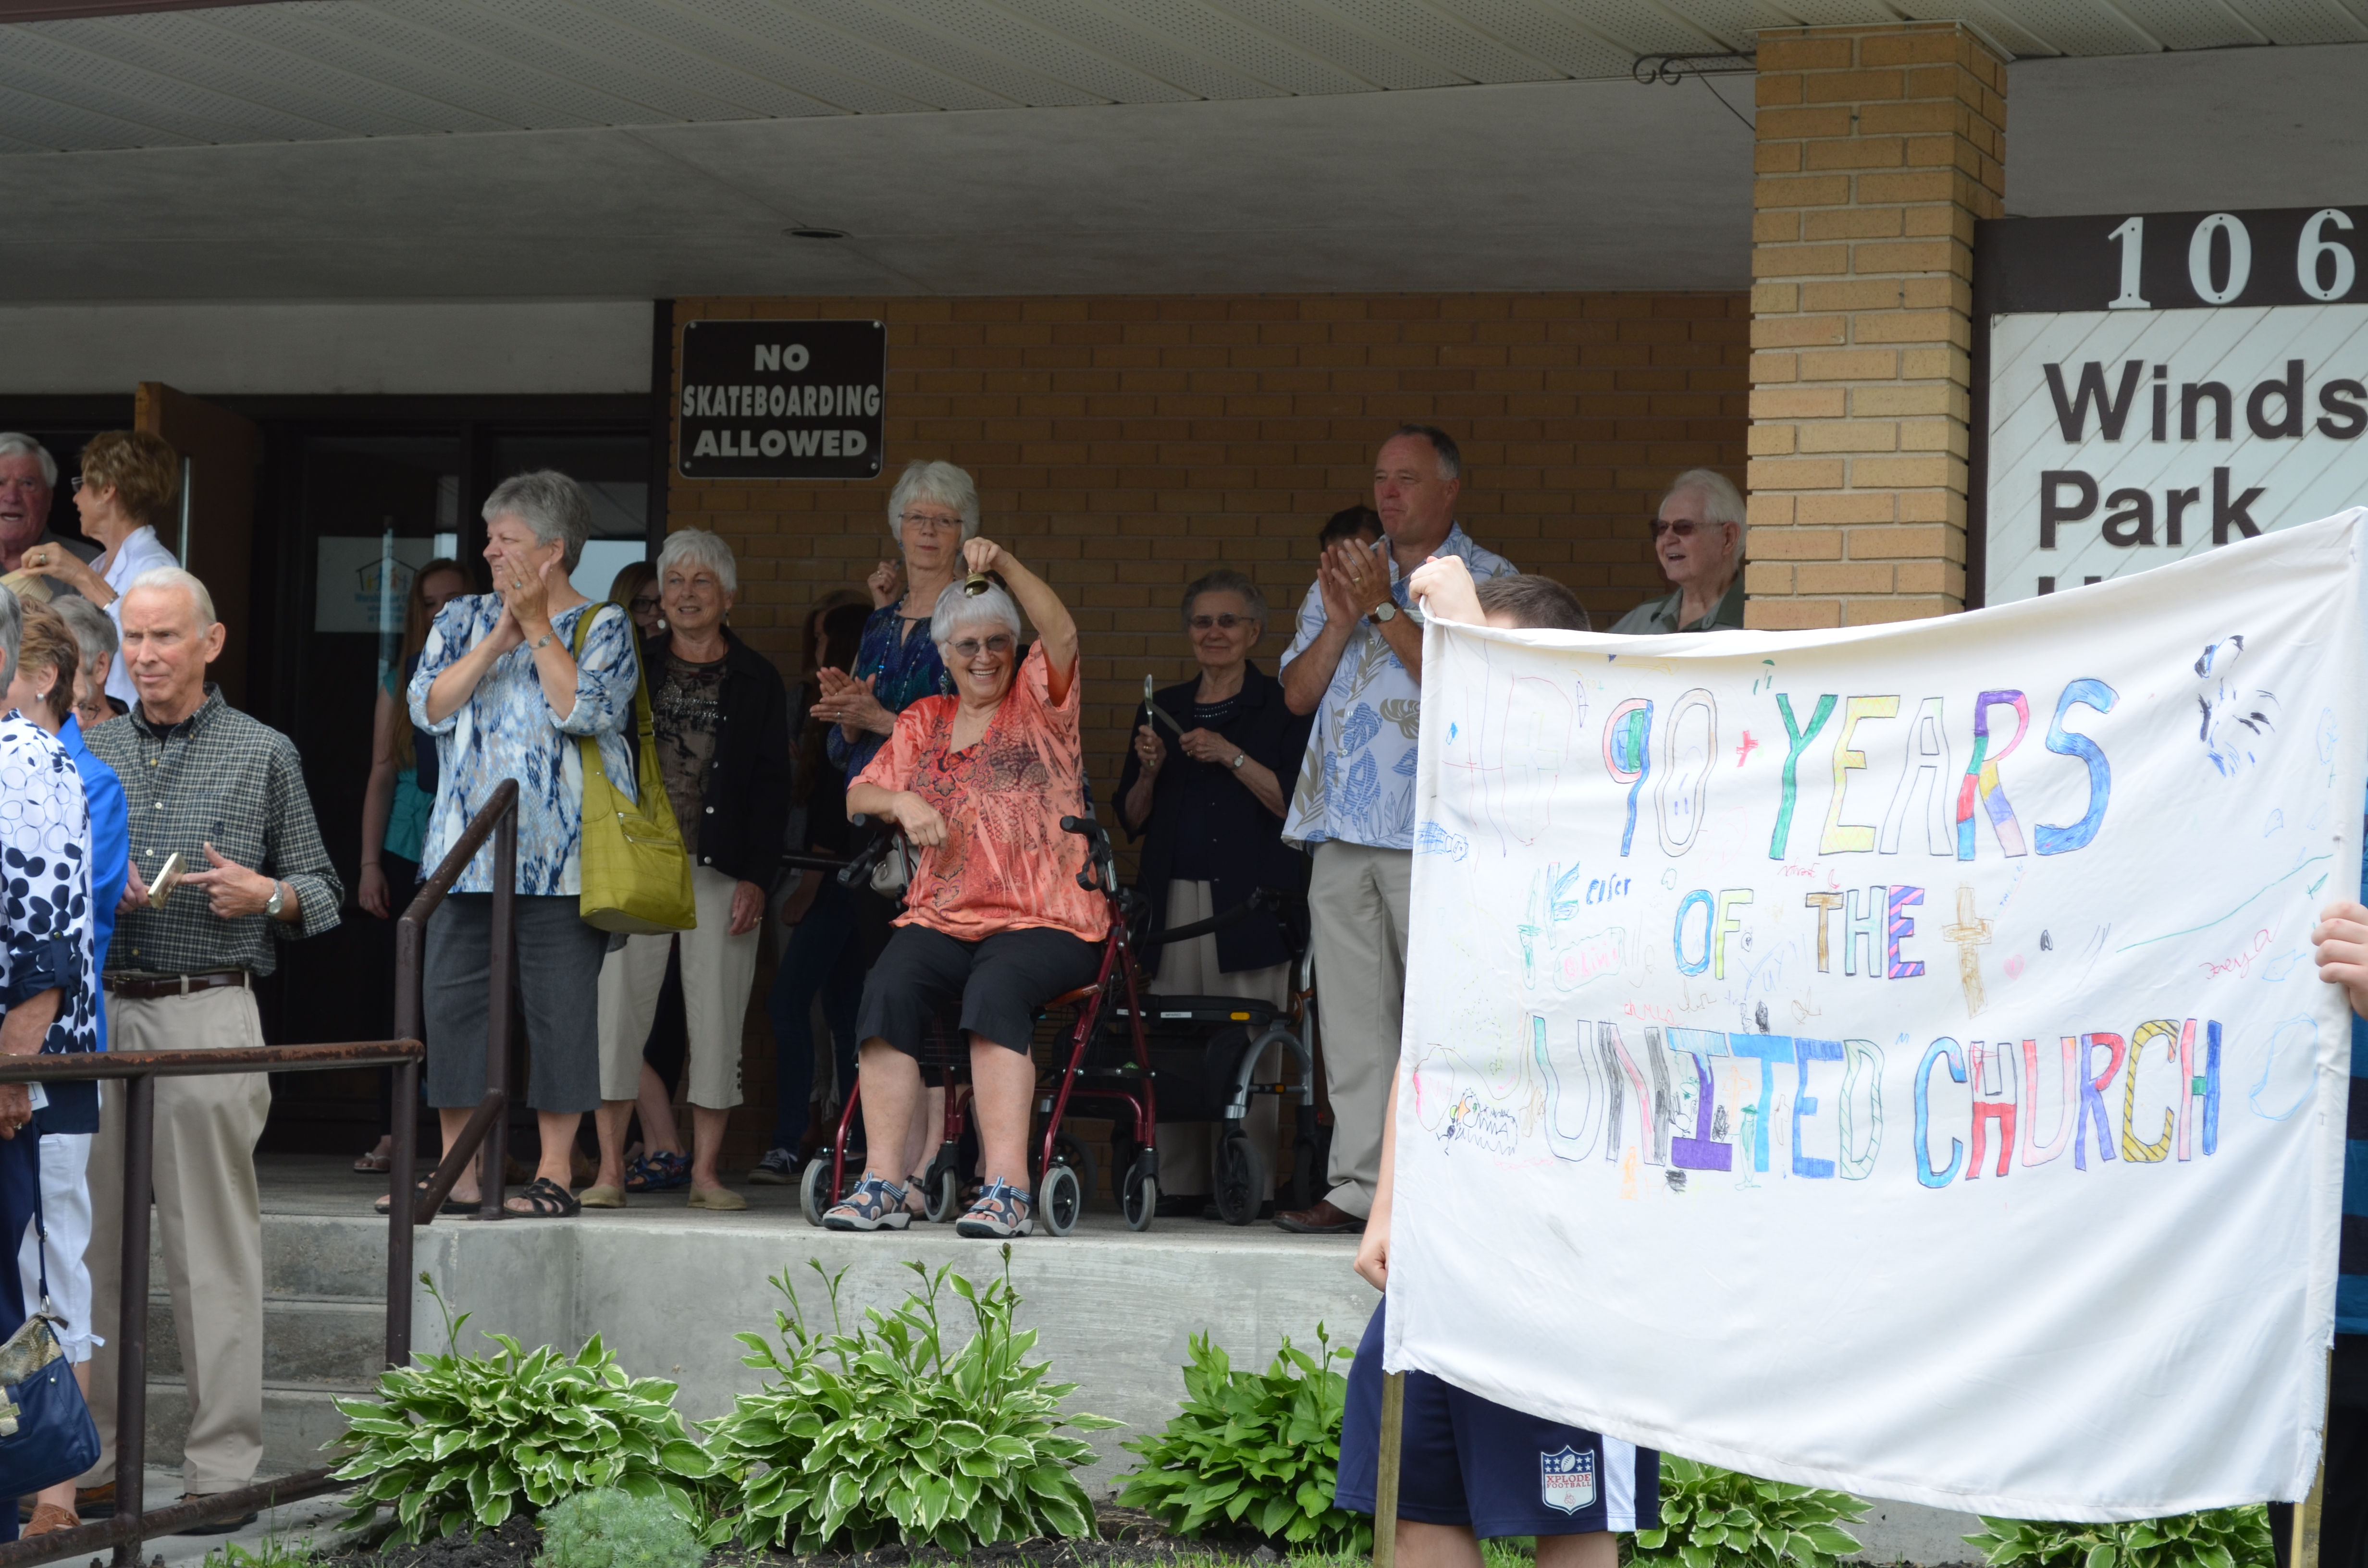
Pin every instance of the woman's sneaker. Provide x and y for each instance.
(778, 1168)
(874, 1205)
(1002, 1210)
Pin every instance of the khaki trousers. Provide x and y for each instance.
(210, 1220)
(717, 969)
(1188, 1149)
(1356, 908)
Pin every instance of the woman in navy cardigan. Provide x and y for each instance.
(1207, 796)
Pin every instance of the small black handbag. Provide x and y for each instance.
(46, 1432)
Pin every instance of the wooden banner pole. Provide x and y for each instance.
(1385, 1480)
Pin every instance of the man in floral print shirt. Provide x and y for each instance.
(1356, 665)
(45, 950)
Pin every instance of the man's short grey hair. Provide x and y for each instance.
(12, 631)
(938, 482)
(1721, 501)
(174, 578)
(957, 612)
(1442, 446)
(551, 504)
(94, 634)
(697, 546)
(16, 444)
(1225, 580)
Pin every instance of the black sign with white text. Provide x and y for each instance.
(2151, 385)
(782, 399)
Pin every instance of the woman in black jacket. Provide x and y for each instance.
(1206, 793)
(722, 723)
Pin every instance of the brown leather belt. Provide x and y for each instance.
(179, 985)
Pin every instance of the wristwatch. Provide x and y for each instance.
(1386, 610)
(1239, 758)
(277, 901)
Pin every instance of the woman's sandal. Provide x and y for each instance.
(1002, 1210)
(658, 1172)
(450, 1206)
(544, 1200)
(874, 1205)
(374, 1164)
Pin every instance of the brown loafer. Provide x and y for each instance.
(47, 1516)
(1324, 1220)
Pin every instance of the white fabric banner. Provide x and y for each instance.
(1891, 1059)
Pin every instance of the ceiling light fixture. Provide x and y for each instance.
(816, 233)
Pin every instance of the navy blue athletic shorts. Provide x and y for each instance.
(1465, 1461)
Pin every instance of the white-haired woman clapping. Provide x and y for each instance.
(995, 924)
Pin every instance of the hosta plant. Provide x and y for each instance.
(1256, 1451)
(1712, 1517)
(2214, 1538)
(857, 1437)
(458, 1442)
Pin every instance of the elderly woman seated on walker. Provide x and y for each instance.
(995, 924)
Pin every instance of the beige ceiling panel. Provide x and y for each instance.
(39, 62)
(658, 83)
(2080, 26)
(366, 38)
(1437, 32)
(2193, 24)
(31, 113)
(2303, 21)
(1991, 23)
(1549, 33)
(248, 68)
(1256, 54)
(1007, 33)
(1025, 82)
(831, 65)
(1148, 50)
(1320, 31)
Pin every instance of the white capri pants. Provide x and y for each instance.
(65, 1211)
(717, 969)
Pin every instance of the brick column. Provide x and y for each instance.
(1877, 149)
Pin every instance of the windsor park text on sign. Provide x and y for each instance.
(782, 399)
(2154, 385)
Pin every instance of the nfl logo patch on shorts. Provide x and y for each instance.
(1566, 1480)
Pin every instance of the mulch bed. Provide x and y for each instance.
(1129, 1537)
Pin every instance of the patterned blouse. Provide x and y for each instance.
(909, 669)
(45, 924)
(506, 730)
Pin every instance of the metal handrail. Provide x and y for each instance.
(132, 1524)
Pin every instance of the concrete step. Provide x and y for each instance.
(308, 1341)
(297, 1420)
(309, 1255)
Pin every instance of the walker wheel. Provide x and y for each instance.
(1138, 1196)
(1061, 1200)
(943, 1194)
(816, 1191)
(1071, 1151)
(1241, 1180)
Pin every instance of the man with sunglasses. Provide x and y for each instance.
(1698, 540)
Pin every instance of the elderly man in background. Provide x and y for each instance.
(1357, 667)
(1698, 540)
(226, 794)
(29, 483)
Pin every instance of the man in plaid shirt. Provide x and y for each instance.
(226, 793)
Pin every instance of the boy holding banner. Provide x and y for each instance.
(1471, 1468)
(2343, 938)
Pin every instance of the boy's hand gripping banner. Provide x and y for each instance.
(1892, 1059)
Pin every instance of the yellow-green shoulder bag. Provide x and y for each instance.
(636, 872)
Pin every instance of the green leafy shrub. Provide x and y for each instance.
(454, 1441)
(2215, 1537)
(1256, 1451)
(613, 1529)
(1711, 1516)
(859, 1437)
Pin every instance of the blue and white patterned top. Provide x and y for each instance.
(1356, 782)
(506, 730)
(45, 925)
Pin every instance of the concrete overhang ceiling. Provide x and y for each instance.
(632, 148)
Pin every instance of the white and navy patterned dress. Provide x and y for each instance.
(506, 730)
(45, 917)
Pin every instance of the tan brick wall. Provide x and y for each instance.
(1877, 149)
(1123, 446)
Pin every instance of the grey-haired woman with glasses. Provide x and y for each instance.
(1207, 782)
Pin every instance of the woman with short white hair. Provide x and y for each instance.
(995, 924)
(508, 686)
(723, 723)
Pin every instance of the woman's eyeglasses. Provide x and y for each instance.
(645, 604)
(1222, 623)
(931, 521)
(971, 647)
